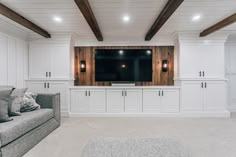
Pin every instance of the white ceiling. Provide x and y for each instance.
(109, 16)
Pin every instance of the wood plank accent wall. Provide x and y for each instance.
(159, 53)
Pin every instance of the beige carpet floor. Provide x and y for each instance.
(204, 137)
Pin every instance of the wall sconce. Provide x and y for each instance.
(164, 65)
(82, 66)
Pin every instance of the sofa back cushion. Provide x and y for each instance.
(4, 98)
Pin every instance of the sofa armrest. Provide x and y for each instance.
(50, 101)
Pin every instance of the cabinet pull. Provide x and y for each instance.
(200, 73)
(89, 92)
(49, 73)
(45, 86)
(205, 85)
(46, 74)
(203, 73)
(48, 85)
(162, 93)
(85, 93)
(122, 93)
(202, 84)
(159, 93)
(125, 93)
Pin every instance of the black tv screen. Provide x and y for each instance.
(130, 65)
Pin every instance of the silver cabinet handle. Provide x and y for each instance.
(49, 73)
(46, 74)
(48, 85)
(89, 92)
(85, 93)
(200, 73)
(203, 73)
(159, 93)
(122, 93)
(162, 93)
(45, 85)
(125, 93)
(205, 85)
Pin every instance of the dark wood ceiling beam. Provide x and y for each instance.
(226, 22)
(165, 14)
(5, 11)
(86, 10)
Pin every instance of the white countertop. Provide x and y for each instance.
(126, 87)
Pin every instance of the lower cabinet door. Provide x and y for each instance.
(133, 100)
(79, 101)
(215, 96)
(192, 96)
(151, 100)
(97, 100)
(169, 101)
(115, 101)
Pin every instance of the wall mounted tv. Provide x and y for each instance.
(130, 65)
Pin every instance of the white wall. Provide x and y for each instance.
(13, 61)
(230, 54)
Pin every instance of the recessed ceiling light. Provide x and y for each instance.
(121, 52)
(196, 17)
(57, 19)
(126, 18)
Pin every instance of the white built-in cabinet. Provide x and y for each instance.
(201, 60)
(124, 100)
(49, 61)
(203, 96)
(85, 101)
(160, 100)
(13, 61)
(51, 87)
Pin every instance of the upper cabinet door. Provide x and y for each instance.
(151, 100)
(97, 100)
(169, 100)
(133, 100)
(190, 61)
(215, 96)
(115, 101)
(60, 61)
(192, 96)
(39, 61)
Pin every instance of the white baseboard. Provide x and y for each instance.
(232, 109)
(224, 114)
(65, 114)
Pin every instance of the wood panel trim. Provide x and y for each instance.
(159, 77)
(4, 10)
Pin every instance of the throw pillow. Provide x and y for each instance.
(5, 93)
(19, 92)
(4, 111)
(14, 106)
(29, 102)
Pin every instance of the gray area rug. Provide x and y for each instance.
(134, 147)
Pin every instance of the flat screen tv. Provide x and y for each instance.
(131, 65)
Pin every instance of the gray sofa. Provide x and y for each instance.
(25, 131)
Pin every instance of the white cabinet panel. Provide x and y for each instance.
(79, 101)
(215, 96)
(39, 61)
(11, 70)
(51, 61)
(37, 87)
(192, 96)
(151, 100)
(3, 59)
(97, 100)
(133, 100)
(115, 101)
(169, 100)
(60, 61)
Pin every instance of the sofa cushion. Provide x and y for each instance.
(21, 125)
